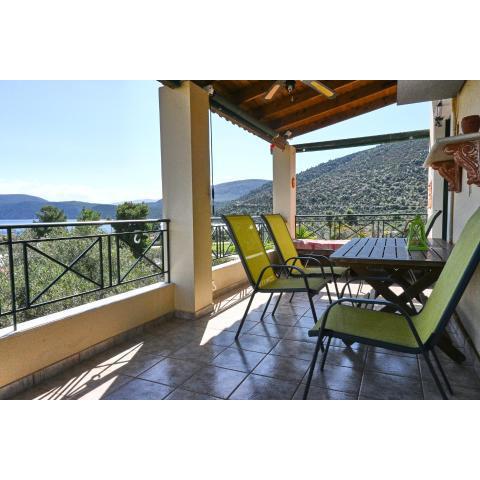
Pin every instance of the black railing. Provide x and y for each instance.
(345, 226)
(44, 263)
(222, 245)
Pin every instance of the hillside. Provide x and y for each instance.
(225, 192)
(26, 209)
(17, 206)
(386, 178)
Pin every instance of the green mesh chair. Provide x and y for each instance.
(417, 334)
(262, 274)
(428, 225)
(431, 221)
(312, 265)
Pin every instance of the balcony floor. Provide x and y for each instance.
(182, 359)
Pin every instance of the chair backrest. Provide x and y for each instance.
(249, 247)
(431, 221)
(281, 236)
(453, 280)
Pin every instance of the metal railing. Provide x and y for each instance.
(346, 226)
(44, 263)
(222, 245)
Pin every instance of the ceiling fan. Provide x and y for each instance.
(316, 85)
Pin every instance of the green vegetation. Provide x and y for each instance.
(387, 178)
(303, 232)
(48, 214)
(88, 215)
(48, 256)
(133, 211)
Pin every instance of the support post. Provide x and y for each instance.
(184, 131)
(285, 184)
(437, 196)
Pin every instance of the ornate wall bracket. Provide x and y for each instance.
(451, 172)
(467, 156)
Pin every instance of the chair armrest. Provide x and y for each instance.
(365, 278)
(308, 259)
(290, 268)
(316, 258)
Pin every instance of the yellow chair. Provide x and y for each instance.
(262, 274)
(288, 253)
(417, 334)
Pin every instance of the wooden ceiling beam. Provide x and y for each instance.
(305, 97)
(306, 115)
(219, 86)
(252, 92)
(345, 115)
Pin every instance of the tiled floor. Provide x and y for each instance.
(200, 359)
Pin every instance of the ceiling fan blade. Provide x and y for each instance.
(320, 88)
(272, 91)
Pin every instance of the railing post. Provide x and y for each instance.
(102, 282)
(12, 276)
(26, 274)
(29, 300)
(117, 244)
(109, 256)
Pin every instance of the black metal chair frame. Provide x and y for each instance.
(277, 269)
(431, 222)
(423, 348)
(306, 259)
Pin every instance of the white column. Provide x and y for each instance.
(184, 133)
(284, 185)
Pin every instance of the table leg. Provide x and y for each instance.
(381, 287)
(413, 291)
(446, 345)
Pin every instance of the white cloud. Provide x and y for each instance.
(71, 191)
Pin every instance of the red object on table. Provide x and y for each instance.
(307, 244)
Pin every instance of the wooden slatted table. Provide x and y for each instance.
(386, 262)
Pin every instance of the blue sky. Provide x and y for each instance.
(99, 140)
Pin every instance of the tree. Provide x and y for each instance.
(88, 215)
(304, 233)
(133, 211)
(350, 218)
(48, 214)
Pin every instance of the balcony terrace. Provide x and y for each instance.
(199, 359)
(173, 336)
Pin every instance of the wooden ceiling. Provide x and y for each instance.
(308, 111)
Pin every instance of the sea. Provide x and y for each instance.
(21, 221)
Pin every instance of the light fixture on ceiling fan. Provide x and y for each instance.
(316, 85)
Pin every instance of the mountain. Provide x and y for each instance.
(385, 178)
(26, 209)
(225, 192)
(16, 206)
(18, 198)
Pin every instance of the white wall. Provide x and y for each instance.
(184, 133)
(468, 200)
(464, 205)
(284, 187)
(42, 342)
